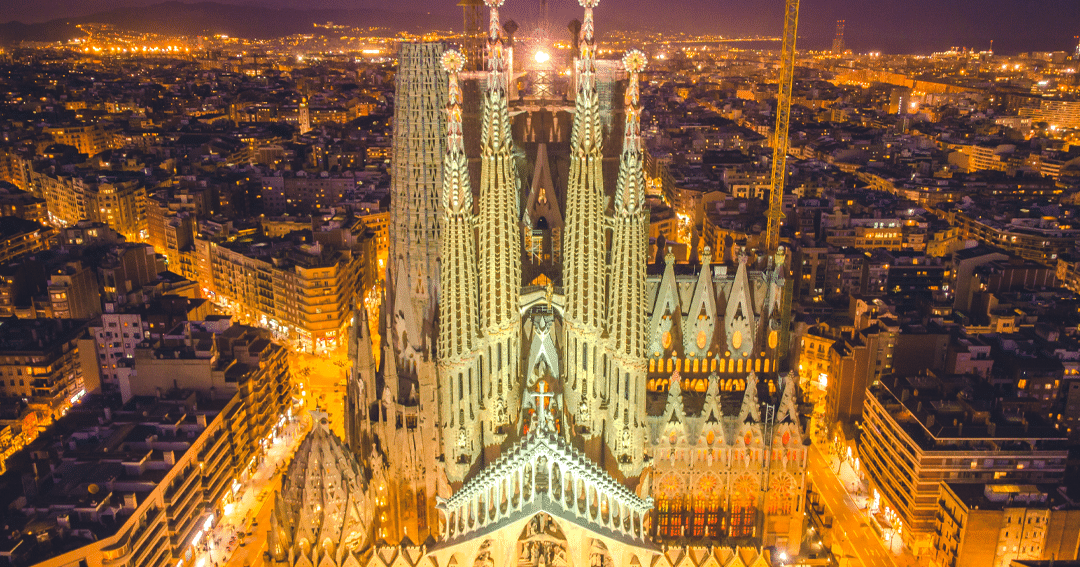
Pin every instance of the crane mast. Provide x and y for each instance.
(783, 120)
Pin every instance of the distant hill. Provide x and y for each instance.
(918, 26)
(178, 18)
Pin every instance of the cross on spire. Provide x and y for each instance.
(540, 399)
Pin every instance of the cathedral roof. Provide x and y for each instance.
(542, 202)
(726, 412)
(546, 463)
(322, 510)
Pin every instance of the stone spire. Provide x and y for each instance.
(750, 410)
(629, 248)
(500, 236)
(712, 414)
(674, 411)
(584, 254)
(414, 207)
(360, 388)
(630, 239)
(739, 315)
(458, 317)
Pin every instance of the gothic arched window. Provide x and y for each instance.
(669, 507)
(743, 511)
(782, 499)
(706, 507)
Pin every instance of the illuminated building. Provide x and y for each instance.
(124, 271)
(287, 193)
(40, 362)
(1037, 239)
(899, 100)
(149, 499)
(121, 204)
(73, 292)
(1059, 114)
(16, 169)
(18, 237)
(87, 139)
(993, 525)
(567, 382)
(919, 431)
(843, 231)
(302, 293)
(17, 203)
(1068, 272)
(115, 336)
(170, 224)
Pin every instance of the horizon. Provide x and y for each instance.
(920, 26)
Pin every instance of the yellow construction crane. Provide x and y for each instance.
(783, 120)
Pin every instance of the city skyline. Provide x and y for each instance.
(913, 26)
(281, 289)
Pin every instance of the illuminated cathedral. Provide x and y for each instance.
(543, 394)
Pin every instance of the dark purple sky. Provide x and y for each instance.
(888, 25)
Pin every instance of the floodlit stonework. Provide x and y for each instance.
(547, 396)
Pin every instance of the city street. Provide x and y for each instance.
(227, 543)
(323, 380)
(851, 530)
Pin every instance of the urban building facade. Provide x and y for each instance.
(997, 524)
(560, 358)
(42, 364)
(920, 431)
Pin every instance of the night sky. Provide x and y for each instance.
(885, 25)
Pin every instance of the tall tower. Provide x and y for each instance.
(584, 254)
(499, 245)
(304, 115)
(838, 42)
(419, 140)
(626, 316)
(459, 399)
(403, 416)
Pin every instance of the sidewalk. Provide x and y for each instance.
(229, 534)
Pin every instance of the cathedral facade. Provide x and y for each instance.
(538, 392)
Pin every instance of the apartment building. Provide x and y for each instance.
(73, 292)
(302, 293)
(139, 487)
(300, 193)
(40, 362)
(992, 525)
(89, 139)
(1037, 239)
(919, 431)
(19, 236)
